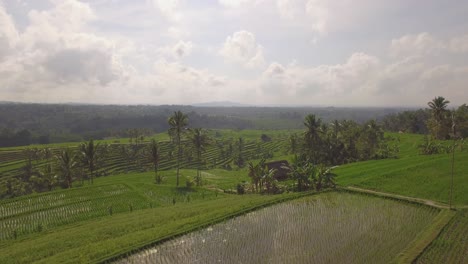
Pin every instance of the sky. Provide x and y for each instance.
(258, 52)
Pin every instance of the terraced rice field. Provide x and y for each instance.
(326, 228)
(115, 162)
(41, 212)
(451, 246)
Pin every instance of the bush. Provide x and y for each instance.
(241, 188)
(189, 182)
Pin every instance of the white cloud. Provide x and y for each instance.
(415, 45)
(450, 80)
(357, 74)
(324, 16)
(233, 3)
(243, 48)
(81, 50)
(8, 34)
(56, 53)
(459, 44)
(177, 51)
(168, 8)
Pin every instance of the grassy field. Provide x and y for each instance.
(123, 212)
(412, 174)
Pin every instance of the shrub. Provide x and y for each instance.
(241, 188)
(189, 182)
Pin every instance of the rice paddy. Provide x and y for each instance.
(451, 246)
(326, 228)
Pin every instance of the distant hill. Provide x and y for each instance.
(220, 104)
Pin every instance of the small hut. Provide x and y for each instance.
(281, 169)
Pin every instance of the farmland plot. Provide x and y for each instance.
(37, 213)
(327, 228)
(451, 246)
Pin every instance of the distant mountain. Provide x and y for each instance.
(220, 104)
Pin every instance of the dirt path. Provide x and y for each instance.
(413, 199)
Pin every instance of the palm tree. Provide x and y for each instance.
(177, 123)
(293, 143)
(47, 153)
(66, 165)
(269, 179)
(438, 107)
(325, 178)
(312, 136)
(46, 174)
(256, 173)
(301, 172)
(155, 157)
(89, 156)
(200, 140)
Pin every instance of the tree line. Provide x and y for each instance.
(320, 147)
(438, 120)
(24, 124)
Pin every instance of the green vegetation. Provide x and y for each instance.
(451, 245)
(411, 174)
(322, 228)
(115, 197)
(106, 234)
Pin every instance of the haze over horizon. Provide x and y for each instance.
(282, 52)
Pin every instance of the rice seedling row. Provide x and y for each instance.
(451, 246)
(327, 228)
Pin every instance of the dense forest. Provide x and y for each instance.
(23, 124)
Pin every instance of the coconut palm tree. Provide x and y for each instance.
(46, 174)
(177, 122)
(66, 165)
(438, 107)
(200, 140)
(155, 158)
(312, 138)
(89, 156)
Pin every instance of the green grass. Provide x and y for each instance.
(423, 239)
(451, 246)
(414, 175)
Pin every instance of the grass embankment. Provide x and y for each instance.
(412, 174)
(451, 246)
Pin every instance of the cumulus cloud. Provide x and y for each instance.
(8, 33)
(73, 51)
(168, 8)
(177, 51)
(55, 50)
(459, 44)
(173, 82)
(415, 45)
(243, 48)
(425, 44)
(356, 74)
(323, 16)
